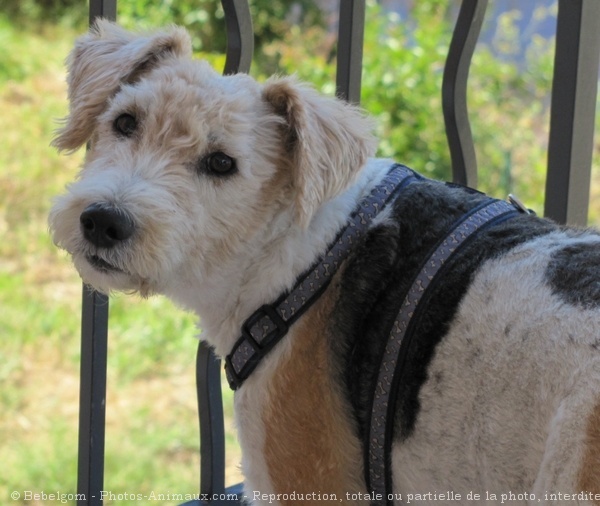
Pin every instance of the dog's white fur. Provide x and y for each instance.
(512, 409)
(224, 247)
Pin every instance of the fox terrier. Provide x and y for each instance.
(390, 338)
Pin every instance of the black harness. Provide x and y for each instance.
(270, 323)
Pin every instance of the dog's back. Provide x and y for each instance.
(501, 387)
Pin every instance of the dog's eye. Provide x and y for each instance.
(125, 125)
(219, 164)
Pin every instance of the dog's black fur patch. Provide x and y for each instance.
(378, 274)
(574, 274)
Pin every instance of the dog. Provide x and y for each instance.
(220, 192)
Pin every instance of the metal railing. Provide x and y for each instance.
(572, 112)
(567, 191)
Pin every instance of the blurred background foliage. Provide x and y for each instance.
(151, 416)
(403, 64)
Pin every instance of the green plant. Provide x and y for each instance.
(401, 86)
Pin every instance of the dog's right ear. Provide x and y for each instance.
(103, 60)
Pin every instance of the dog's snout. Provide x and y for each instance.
(105, 226)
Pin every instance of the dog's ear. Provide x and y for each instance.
(326, 141)
(101, 61)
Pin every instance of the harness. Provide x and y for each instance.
(271, 322)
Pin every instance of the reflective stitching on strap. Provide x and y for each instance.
(261, 332)
(382, 413)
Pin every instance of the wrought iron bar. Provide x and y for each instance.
(240, 48)
(102, 9)
(574, 91)
(350, 50)
(212, 431)
(454, 91)
(94, 351)
(240, 36)
(92, 397)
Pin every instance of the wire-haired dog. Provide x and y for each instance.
(226, 195)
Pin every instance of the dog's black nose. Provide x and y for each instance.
(106, 226)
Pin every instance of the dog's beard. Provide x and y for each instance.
(105, 276)
(123, 268)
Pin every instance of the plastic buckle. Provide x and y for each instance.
(233, 379)
(236, 379)
(269, 312)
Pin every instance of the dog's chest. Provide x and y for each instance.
(308, 441)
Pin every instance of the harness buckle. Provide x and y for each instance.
(273, 327)
(233, 379)
(519, 205)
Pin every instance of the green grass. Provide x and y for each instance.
(151, 442)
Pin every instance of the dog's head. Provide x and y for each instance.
(184, 166)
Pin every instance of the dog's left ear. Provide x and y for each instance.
(326, 141)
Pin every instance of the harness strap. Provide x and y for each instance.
(270, 323)
(378, 473)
